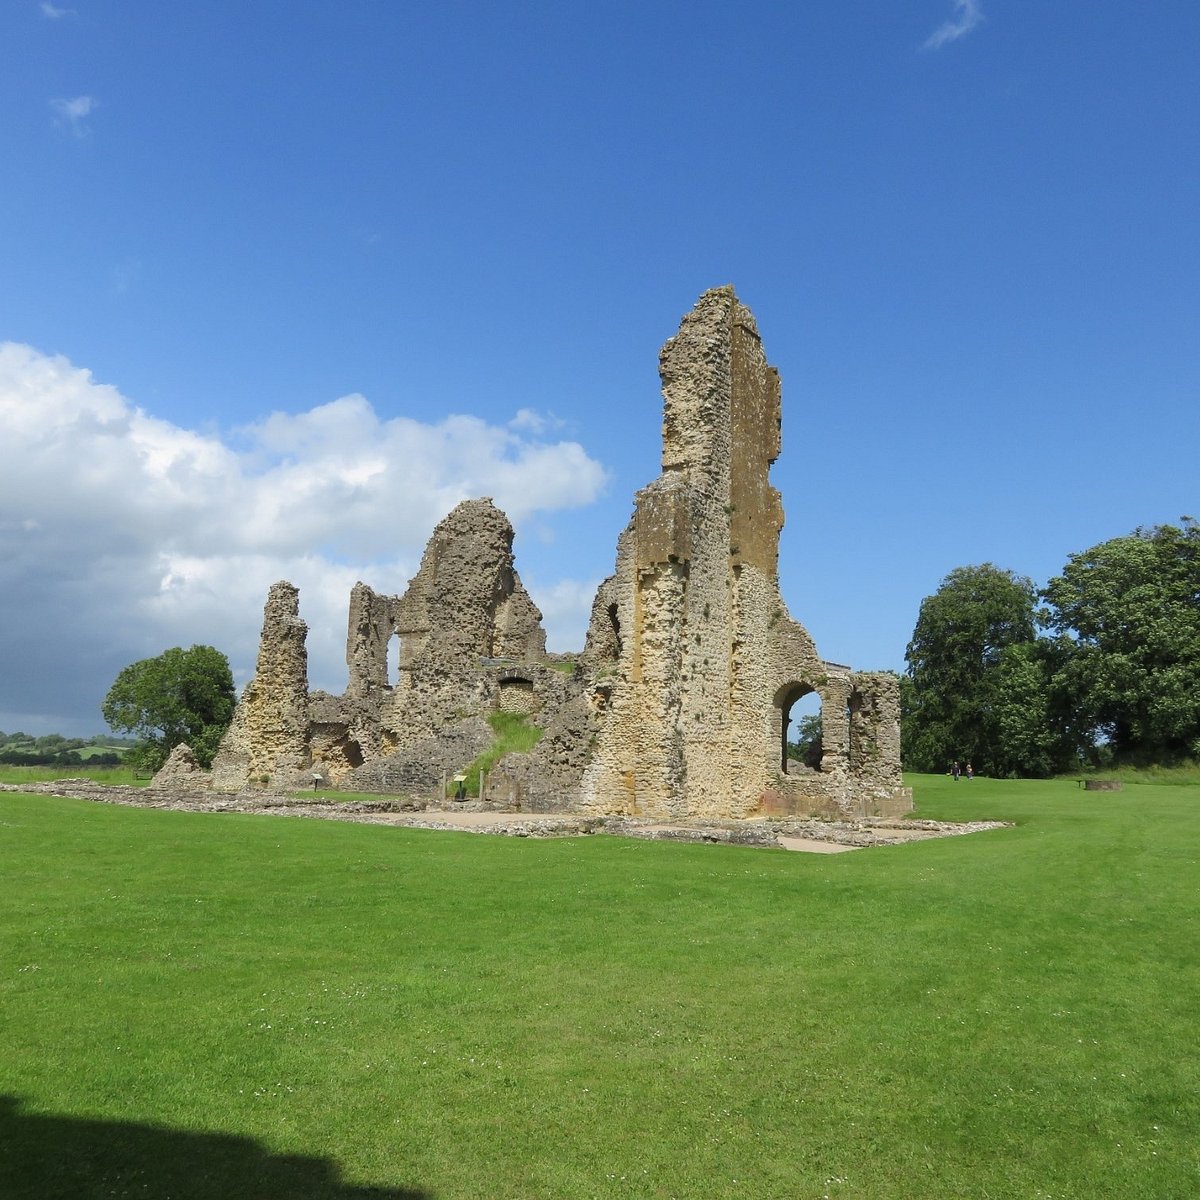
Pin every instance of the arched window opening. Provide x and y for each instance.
(800, 728)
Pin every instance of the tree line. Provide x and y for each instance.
(1100, 667)
(55, 750)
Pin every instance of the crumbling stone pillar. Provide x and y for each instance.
(267, 744)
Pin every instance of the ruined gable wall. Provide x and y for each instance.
(663, 747)
(464, 605)
(703, 653)
(369, 629)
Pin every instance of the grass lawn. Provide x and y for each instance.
(108, 775)
(227, 1006)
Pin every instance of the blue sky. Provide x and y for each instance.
(280, 282)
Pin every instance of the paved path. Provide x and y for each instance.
(812, 846)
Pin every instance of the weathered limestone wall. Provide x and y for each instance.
(703, 658)
(679, 705)
(470, 641)
(465, 604)
(268, 740)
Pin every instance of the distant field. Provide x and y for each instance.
(198, 1005)
(93, 751)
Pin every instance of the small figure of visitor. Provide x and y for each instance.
(970, 771)
(955, 770)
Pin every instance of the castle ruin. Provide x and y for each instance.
(678, 706)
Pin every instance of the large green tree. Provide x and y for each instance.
(1128, 615)
(180, 696)
(963, 649)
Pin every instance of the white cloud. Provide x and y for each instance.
(55, 14)
(566, 609)
(966, 15)
(122, 534)
(72, 114)
(529, 420)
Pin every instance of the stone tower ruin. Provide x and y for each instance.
(678, 705)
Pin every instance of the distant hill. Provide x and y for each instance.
(54, 750)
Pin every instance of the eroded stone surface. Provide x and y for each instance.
(180, 770)
(268, 741)
(678, 706)
(704, 659)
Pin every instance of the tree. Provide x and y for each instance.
(957, 661)
(807, 746)
(1029, 728)
(180, 696)
(1128, 615)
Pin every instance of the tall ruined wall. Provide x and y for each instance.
(268, 739)
(465, 608)
(464, 605)
(680, 704)
(702, 659)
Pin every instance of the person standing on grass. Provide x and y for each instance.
(955, 770)
(970, 772)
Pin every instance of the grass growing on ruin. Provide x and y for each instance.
(514, 735)
(207, 1005)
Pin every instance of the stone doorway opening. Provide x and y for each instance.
(800, 719)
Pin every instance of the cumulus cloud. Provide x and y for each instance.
(528, 420)
(966, 14)
(72, 114)
(566, 608)
(122, 534)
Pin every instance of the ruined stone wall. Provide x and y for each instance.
(547, 778)
(692, 631)
(875, 726)
(679, 704)
(465, 608)
(267, 742)
(465, 604)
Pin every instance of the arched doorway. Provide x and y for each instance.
(799, 706)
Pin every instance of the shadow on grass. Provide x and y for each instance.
(56, 1158)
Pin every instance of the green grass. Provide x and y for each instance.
(110, 775)
(207, 1005)
(1184, 774)
(86, 752)
(514, 735)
